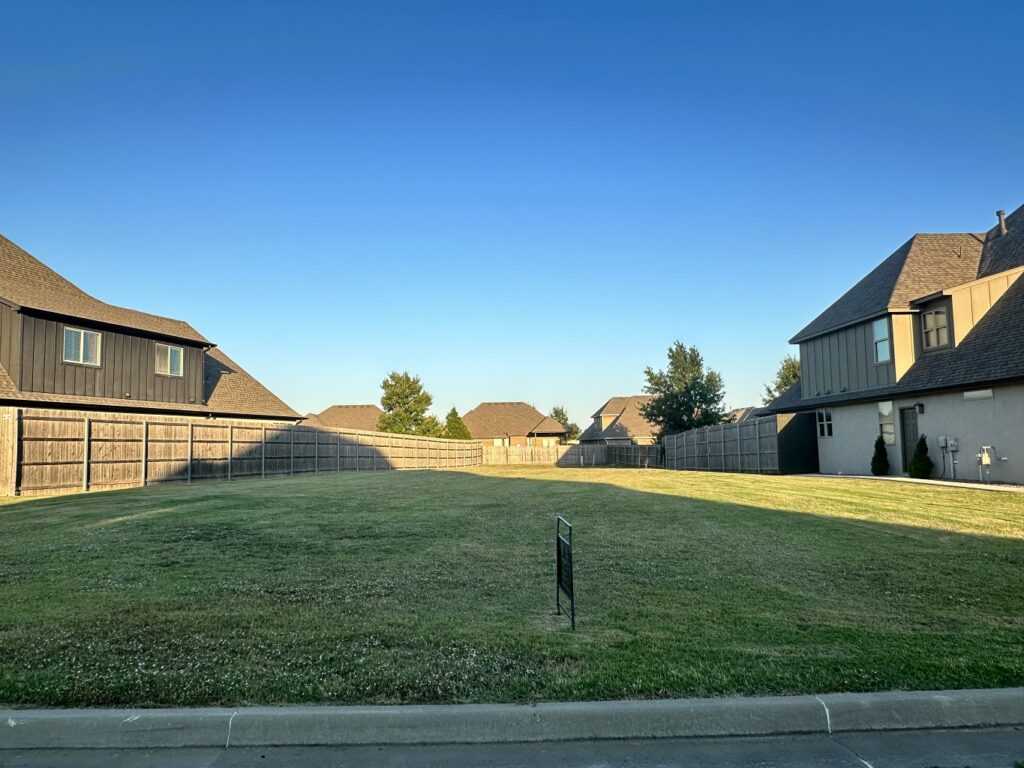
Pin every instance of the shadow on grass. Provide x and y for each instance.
(438, 587)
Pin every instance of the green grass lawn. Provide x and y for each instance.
(438, 587)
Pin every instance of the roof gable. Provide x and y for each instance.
(512, 418)
(27, 282)
(362, 417)
(926, 263)
(628, 422)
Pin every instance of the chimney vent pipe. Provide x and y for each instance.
(1002, 222)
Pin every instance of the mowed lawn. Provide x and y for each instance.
(437, 586)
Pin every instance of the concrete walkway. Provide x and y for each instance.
(827, 715)
(929, 481)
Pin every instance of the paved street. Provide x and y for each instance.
(984, 748)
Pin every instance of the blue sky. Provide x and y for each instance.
(513, 200)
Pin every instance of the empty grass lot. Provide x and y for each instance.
(437, 586)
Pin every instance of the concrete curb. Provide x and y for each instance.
(497, 723)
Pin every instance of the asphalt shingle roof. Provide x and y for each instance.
(229, 390)
(992, 352)
(489, 420)
(27, 282)
(362, 417)
(627, 424)
(922, 265)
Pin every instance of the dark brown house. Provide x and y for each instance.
(512, 424)
(62, 348)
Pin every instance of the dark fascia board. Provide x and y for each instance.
(132, 406)
(106, 326)
(889, 393)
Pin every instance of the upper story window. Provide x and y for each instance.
(169, 360)
(935, 328)
(883, 347)
(82, 347)
(825, 423)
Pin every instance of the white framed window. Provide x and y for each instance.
(825, 423)
(883, 349)
(169, 360)
(935, 328)
(82, 347)
(887, 423)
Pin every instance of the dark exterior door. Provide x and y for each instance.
(908, 428)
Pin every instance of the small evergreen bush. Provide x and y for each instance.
(880, 461)
(921, 464)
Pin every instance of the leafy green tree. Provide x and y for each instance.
(921, 464)
(572, 428)
(880, 460)
(405, 405)
(685, 395)
(455, 428)
(787, 375)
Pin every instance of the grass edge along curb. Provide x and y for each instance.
(508, 723)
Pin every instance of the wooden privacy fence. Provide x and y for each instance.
(644, 456)
(582, 455)
(58, 451)
(771, 445)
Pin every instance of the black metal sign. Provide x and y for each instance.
(563, 570)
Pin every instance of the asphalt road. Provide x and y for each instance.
(976, 748)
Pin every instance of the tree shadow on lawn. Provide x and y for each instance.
(439, 587)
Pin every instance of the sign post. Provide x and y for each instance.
(563, 570)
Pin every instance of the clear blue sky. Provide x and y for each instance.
(514, 200)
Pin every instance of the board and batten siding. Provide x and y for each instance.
(10, 331)
(127, 365)
(843, 361)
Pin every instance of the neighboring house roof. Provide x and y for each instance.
(922, 265)
(737, 415)
(627, 420)
(499, 419)
(27, 282)
(991, 353)
(228, 388)
(362, 417)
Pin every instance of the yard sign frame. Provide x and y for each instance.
(563, 570)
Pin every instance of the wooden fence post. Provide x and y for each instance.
(145, 452)
(338, 457)
(231, 447)
(316, 452)
(757, 427)
(263, 454)
(86, 435)
(291, 450)
(190, 430)
(16, 453)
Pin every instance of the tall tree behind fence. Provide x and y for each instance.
(643, 456)
(58, 451)
(772, 445)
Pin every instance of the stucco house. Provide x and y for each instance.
(930, 342)
(619, 422)
(512, 423)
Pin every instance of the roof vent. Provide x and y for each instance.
(1002, 222)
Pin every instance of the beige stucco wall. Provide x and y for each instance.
(998, 422)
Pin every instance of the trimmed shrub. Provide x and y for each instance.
(921, 464)
(880, 461)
